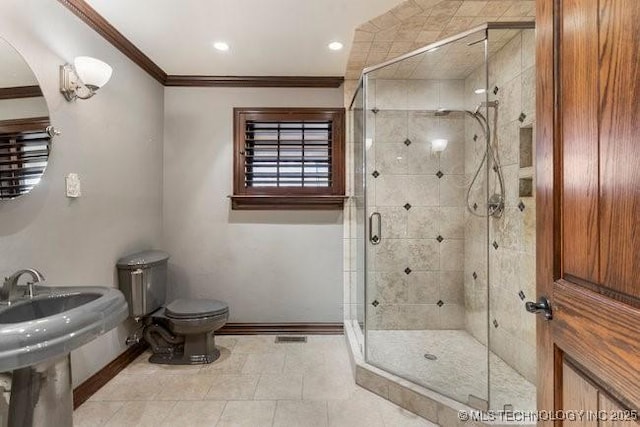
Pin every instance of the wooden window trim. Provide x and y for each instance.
(268, 198)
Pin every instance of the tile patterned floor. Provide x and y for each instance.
(459, 370)
(254, 383)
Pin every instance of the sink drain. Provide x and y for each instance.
(430, 356)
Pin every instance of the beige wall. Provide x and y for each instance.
(269, 266)
(512, 264)
(113, 141)
(416, 205)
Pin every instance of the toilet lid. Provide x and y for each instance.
(193, 308)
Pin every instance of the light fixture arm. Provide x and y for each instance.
(71, 86)
(83, 79)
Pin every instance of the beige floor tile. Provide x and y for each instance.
(257, 344)
(227, 341)
(264, 363)
(247, 414)
(95, 414)
(279, 386)
(354, 412)
(327, 386)
(394, 416)
(141, 414)
(194, 414)
(232, 387)
(126, 387)
(304, 361)
(290, 413)
(141, 365)
(228, 362)
(242, 388)
(179, 369)
(183, 387)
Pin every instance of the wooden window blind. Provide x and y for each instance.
(288, 158)
(24, 151)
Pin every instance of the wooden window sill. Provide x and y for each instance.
(269, 202)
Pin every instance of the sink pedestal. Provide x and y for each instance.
(41, 395)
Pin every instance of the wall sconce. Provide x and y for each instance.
(83, 78)
(438, 145)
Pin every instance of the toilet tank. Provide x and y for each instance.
(142, 279)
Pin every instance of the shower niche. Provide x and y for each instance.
(444, 218)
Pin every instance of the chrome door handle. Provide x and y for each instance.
(542, 306)
(375, 238)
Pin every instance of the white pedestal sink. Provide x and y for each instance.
(36, 337)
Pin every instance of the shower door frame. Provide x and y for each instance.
(362, 85)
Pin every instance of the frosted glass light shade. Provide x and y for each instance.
(438, 145)
(93, 72)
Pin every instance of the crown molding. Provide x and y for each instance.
(16, 92)
(93, 19)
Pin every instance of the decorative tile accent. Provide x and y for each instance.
(475, 275)
(521, 117)
(375, 110)
(475, 206)
(440, 239)
(495, 323)
(521, 206)
(495, 245)
(440, 303)
(407, 271)
(407, 142)
(475, 137)
(522, 295)
(375, 303)
(439, 174)
(407, 206)
(495, 90)
(375, 174)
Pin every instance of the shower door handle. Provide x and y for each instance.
(375, 238)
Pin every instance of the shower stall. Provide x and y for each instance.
(443, 216)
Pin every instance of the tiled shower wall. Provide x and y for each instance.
(416, 271)
(512, 237)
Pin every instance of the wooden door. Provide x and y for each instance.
(588, 189)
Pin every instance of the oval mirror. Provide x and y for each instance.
(25, 129)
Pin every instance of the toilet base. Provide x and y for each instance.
(182, 359)
(197, 349)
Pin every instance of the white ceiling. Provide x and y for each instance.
(267, 37)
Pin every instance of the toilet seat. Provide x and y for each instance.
(195, 308)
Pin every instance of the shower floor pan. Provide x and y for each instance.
(460, 369)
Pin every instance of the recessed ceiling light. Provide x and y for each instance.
(221, 46)
(479, 91)
(335, 46)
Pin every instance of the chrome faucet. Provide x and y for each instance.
(10, 286)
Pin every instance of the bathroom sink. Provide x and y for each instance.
(38, 308)
(55, 322)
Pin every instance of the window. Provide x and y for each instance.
(288, 158)
(24, 151)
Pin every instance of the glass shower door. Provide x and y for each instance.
(426, 251)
